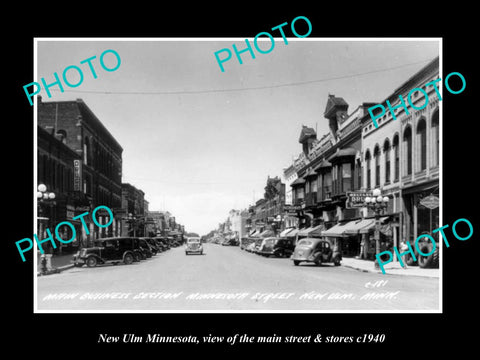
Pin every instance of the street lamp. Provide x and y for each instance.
(378, 204)
(44, 199)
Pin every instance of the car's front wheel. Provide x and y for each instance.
(91, 261)
(128, 259)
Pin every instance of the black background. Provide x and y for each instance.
(407, 335)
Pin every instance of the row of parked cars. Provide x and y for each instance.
(115, 250)
(315, 250)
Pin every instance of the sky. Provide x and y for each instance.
(200, 142)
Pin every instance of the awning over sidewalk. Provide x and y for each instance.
(267, 233)
(362, 226)
(314, 231)
(254, 233)
(286, 231)
(292, 233)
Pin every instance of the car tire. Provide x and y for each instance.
(91, 261)
(128, 259)
(296, 262)
(336, 261)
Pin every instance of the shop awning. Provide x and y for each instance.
(336, 231)
(286, 231)
(312, 231)
(362, 226)
(267, 233)
(292, 233)
(299, 181)
(254, 233)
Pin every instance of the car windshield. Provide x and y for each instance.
(305, 243)
(193, 241)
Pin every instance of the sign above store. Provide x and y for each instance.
(430, 202)
(356, 199)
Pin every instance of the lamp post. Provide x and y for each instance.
(378, 204)
(44, 198)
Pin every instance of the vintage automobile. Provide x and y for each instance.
(162, 243)
(145, 248)
(193, 246)
(153, 245)
(266, 246)
(107, 250)
(284, 247)
(316, 250)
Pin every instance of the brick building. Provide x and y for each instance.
(97, 174)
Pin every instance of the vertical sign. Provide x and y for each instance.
(77, 175)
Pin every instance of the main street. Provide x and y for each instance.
(227, 278)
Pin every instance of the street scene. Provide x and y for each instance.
(173, 186)
(227, 278)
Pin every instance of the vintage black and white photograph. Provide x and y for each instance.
(267, 174)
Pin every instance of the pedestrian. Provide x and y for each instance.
(404, 248)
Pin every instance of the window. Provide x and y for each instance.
(386, 151)
(369, 171)
(407, 141)
(422, 142)
(435, 139)
(358, 169)
(376, 155)
(62, 134)
(396, 154)
(346, 177)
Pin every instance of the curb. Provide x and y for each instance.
(390, 273)
(56, 270)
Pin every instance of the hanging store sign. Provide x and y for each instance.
(356, 199)
(77, 175)
(430, 202)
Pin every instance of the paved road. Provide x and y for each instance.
(227, 278)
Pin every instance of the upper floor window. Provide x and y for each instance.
(376, 155)
(386, 151)
(422, 144)
(435, 139)
(396, 155)
(407, 141)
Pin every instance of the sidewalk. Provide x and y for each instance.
(392, 268)
(59, 263)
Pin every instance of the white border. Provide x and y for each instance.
(93, 39)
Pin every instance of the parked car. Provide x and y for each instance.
(251, 247)
(266, 246)
(257, 243)
(316, 250)
(164, 244)
(193, 246)
(145, 247)
(153, 245)
(284, 247)
(107, 250)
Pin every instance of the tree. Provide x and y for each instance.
(271, 188)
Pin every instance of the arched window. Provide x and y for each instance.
(422, 144)
(386, 151)
(396, 155)
(376, 155)
(435, 139)
(62, 135)
(368, 160)
(407, 141)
